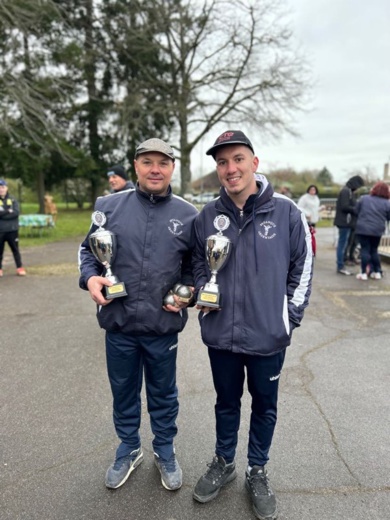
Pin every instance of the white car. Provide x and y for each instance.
(203, 198)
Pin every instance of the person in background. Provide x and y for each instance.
(350, 250)
(265, 286)
(285, 190)
(311, 206)
(9, 228)
(118, 179)
(345, 219)
(373, 211)
(50, 207)
(152, 256)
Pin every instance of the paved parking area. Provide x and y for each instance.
(331, 452)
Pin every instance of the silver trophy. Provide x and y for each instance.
(218, 248)
(103, 245)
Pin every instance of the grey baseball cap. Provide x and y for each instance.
(155, 145)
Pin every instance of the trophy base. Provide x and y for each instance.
(209, 299)
(115, 291)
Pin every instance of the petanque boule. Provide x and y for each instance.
(183, 293)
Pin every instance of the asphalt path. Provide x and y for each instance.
(331, 452)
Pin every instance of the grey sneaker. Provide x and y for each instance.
(120, 470)
(218, 474)
(262, 496)
(344, 271)
(170, 471)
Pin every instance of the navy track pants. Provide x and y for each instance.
(127, 358)
(263, 374)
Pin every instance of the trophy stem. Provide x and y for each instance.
(213, 278)
(108, 268)
(109, 274)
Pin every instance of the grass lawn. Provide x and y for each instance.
(71, 222)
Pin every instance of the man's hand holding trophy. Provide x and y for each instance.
(218, 248)
(103, 245)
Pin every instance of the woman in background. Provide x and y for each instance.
(310, 205)
(373, 213)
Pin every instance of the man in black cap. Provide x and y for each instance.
(118, 179)
(153, 255)
(265, 286)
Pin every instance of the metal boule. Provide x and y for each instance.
(183, 292)
(169, 299)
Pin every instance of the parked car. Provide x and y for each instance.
(203, 198)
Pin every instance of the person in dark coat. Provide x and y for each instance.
(265, 286)
(118, 179)
(9, 228)
(345, 219)
(154, 239)
(373, 212)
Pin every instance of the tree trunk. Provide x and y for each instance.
(41, 190)
(93, 103)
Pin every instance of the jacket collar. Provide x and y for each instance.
(262, 199)
(151, 197)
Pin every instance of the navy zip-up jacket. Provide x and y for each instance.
(265, 283)
(9, 220)
(154, 246)
(373, 213)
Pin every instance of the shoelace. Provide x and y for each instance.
(122, 460)
(216, 470)
(169, 465)
(259, 484)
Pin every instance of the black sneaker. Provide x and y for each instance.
(262, 496)
(170, 471)
(218, 474)
(120, 470)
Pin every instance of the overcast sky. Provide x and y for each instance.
(347, 43)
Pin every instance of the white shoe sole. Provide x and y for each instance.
(136, 462)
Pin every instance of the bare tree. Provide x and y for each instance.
(28, 91)
(231, 62)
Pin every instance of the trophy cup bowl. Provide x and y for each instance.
(103, 246)
(218, 248)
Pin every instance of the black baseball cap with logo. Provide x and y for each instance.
(230, 137)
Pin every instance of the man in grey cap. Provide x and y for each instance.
(153, 255)
(118, 179)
